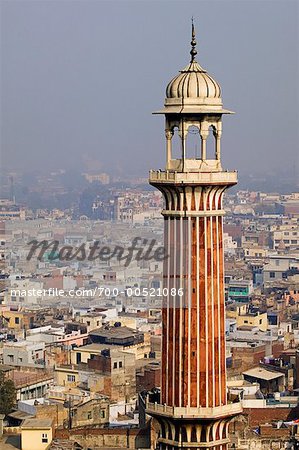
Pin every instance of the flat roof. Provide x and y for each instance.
(6, 368)
(37, 423)
(263, 374)
(94, 347)
(115, 332)
(23, 378)
(20, 415)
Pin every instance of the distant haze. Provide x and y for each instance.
(79, 80)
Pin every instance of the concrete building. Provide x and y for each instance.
(24, 354)
(279, 268)
(128, 339)
(17, 318)
(288, 233)
(37, 434)
(252, 318)
(29, 383)
(269, 381)
(239, 290)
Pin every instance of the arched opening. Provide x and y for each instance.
(193, 144)
(184, 434)
(162, 429)
(211, 143)
(176, 145)
(203, 436)
(193, 435)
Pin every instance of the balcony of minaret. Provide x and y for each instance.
(202, 129)
(230, 409)
(224, 177)
(198, 169)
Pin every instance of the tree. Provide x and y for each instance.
(7, 394)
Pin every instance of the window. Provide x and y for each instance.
(89, 415)
(115, 365)
(120, 364)
(10, 357)
(17, 320)
(71, 378)
(103, 414)
(261, 321)
(44, 438)
(272, 274)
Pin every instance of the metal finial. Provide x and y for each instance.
(193, 51)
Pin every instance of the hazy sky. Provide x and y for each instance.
(79, 80)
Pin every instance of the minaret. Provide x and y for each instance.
(193, 411)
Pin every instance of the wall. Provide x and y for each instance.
(32, 439)
(106, 438)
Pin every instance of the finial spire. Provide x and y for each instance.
(193, 51)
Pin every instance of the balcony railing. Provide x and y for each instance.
(192, 412)
(221, 177)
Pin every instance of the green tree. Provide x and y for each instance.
(7, 394)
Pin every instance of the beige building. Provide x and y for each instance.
(91, 320)
(255, 252)
(288, 233)
(66, 375)
(109, 372)
(92, 412)
(36, 434)
(246, 318)
(255, 319)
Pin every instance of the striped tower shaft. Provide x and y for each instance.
(193, 412)
(193, 337)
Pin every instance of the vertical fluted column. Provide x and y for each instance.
(204, 133)
(168, 135)
(193, 333)
(217, 135)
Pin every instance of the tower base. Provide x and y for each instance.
(193, 428)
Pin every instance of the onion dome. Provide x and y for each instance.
(193, 90)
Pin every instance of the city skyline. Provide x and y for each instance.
(149, 271)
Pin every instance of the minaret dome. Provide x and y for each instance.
(193, 90)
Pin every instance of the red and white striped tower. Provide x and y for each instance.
(193, 411)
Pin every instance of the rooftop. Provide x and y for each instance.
(112, 332)
(263, 374)
(28, 424)
(24, 377)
